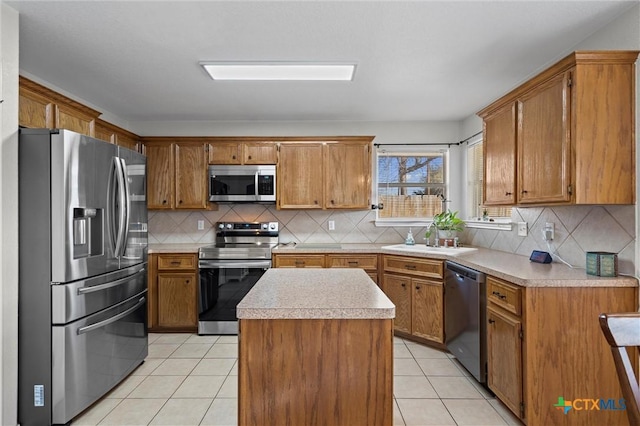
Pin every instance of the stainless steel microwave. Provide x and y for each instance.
(242, 184)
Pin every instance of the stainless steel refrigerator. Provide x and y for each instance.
(82, 310)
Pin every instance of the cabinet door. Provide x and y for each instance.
(500, 157)
(127, 141)
(427, 310)
(191, 176)
(259, 153)
(398, 290)
(103, 132)
(504, 358)
(35, 111)
(177, 300)
(71, 119)
(544, 143)
(300, 176)
(160, 176)
(225, 153)
(347, 175)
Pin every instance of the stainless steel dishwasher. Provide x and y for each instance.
(465, 318)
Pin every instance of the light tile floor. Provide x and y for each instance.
(193, 380)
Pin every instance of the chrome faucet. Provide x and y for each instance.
(437, 240)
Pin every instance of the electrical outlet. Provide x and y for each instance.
(200, 225)
(522, 229)
(548, 231)
(332, 225)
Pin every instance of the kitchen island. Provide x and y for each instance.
(315, 347)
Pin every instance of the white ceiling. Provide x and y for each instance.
(419, 60)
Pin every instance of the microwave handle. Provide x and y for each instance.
(257, 191)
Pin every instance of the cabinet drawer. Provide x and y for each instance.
(504, 294)
(409, 265)
(368, 262)
(306, 261)
(176, 261)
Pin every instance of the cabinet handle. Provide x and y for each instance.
(299, 262)
(410, 267)
(417, 287)
(175, 262)
(233, 157)
(187, 281)
(164, 201)
(315, 201)
(403, 284)
(249, 157)
(500, 296)
(525, 191)
(491, 321)
(180, 202)
(507, 193)
(352, 262)
(332, 202)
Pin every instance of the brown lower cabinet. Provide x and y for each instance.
(173, 279)
(315, 372)
(415, 286)
(545, 343)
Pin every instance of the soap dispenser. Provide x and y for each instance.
(409, 240)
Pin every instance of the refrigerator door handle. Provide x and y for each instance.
(122, 213)
(113, 319)
(127, 196)
(94, 288)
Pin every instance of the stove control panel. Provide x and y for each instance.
(250, 227)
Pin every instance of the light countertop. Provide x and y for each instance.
(291, 293)
(510, 267)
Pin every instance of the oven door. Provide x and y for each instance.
(222, 285)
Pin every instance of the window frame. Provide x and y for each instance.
(404, 151)
(476, 221)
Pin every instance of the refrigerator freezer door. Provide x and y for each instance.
(92, 355)
(78, 299)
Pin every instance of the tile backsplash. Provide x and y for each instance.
(578, 229)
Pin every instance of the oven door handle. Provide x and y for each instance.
(217, 264)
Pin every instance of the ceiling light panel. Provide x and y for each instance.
(279, 71)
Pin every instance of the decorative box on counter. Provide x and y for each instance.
(602, 264)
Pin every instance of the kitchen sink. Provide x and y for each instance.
(421, 248)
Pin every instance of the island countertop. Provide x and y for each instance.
(336, 293)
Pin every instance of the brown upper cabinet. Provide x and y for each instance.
(331, 174)
(566, 136)
(40, 107)
(176, 173)
(116, 135)
(230, 151)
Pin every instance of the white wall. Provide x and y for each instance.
(385, 132)
(9, 214)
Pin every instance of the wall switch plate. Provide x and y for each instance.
(522, 229)
(200, 225)
(332, 225)
(548, 231)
